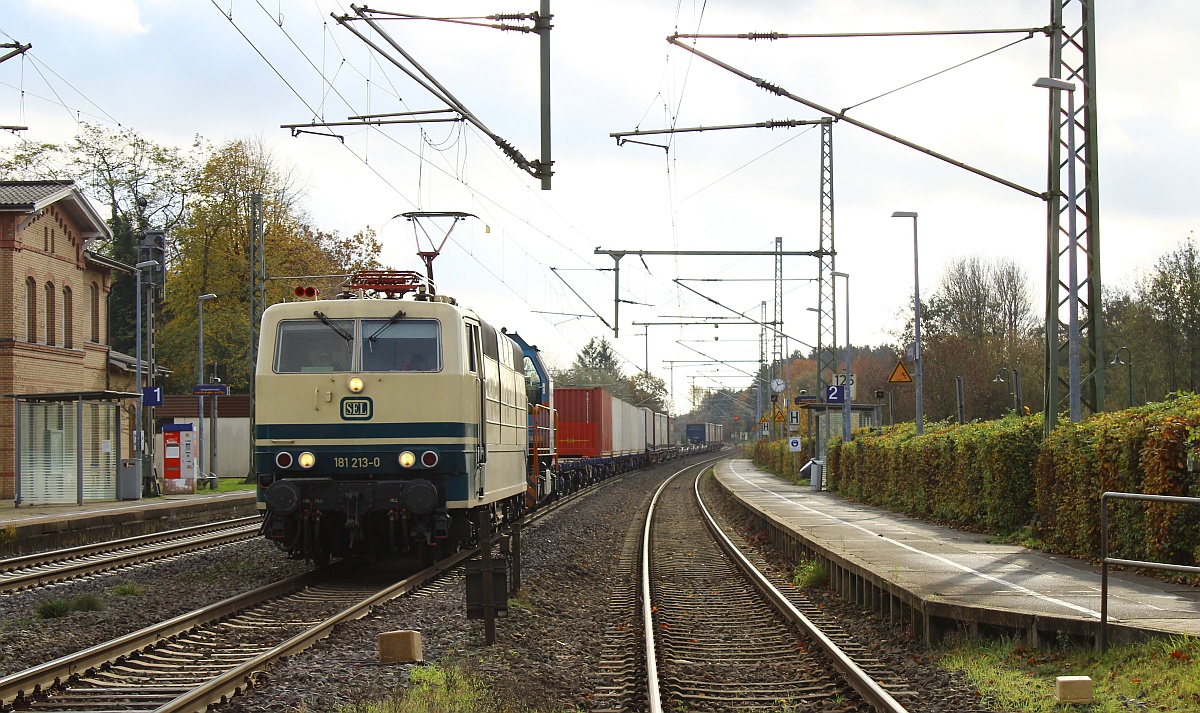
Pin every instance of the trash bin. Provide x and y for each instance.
(816, 475)
(129, 479)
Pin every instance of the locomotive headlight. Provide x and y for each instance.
(407, 459)
(306, 460)
(355, 384)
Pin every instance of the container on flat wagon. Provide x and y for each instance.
(657, 434)
(697, 433)
(628, 429)
(585, 418)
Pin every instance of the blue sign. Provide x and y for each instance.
(152, 396)
(835, 393)
(211, 389)
(803, 398)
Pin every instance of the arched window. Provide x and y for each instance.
(68, 319)
(95, 313)
(31, 310)
(51, 326)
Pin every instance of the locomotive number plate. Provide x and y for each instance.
(357, 408)
(358, 462)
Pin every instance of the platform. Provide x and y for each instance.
(942, 580)
(36, 528)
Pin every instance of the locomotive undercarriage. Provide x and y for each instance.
(318, 519)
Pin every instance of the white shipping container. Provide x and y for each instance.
(629, 429)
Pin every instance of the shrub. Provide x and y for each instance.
(54, 609)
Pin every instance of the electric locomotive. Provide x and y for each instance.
(386, 421)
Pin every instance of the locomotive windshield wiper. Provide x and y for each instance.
(395, 318)
(329, 323)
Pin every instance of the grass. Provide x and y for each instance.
(128, 589)
(809, 573)
(520, 601)
(8, 535)
(87, 602)
(444, 689)
(54, 609)
(226, 485)
(1160, 675)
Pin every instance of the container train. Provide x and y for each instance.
(704, 433)
(389, 418)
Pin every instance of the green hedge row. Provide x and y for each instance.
(978, 476)
(776, 457)
(1001, 475)
(1141, 450)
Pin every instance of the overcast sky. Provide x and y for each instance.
(228, 69)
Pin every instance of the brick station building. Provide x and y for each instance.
(54, 325)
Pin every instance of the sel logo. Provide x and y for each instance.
(357, 409)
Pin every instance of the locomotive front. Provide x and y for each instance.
(372, 426)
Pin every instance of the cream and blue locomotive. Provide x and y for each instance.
(386, 423)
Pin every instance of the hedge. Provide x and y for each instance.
(979, 476)
(1000, 476)
(1140, 450)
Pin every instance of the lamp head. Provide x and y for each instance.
(1049, 83)
(999, 377)
(1117, 359)
(904, 214)
(209, 296)
(145, 264)
(840, 274)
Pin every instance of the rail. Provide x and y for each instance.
(1105, 560)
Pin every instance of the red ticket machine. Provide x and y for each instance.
(179, 458)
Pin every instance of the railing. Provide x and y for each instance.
(1105, 560)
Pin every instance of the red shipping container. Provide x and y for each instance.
(584, 422)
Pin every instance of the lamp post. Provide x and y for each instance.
(846, 385)
(200, 422)
(1129, 371)
(1072, 256)
(918, 395)
(139, 440)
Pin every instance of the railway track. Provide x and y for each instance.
(214, 653)
(55, 566)
(712, 633)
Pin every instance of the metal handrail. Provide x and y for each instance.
(1105, 560)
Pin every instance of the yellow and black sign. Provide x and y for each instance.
(763, 421)
(778, 415)
(900, 375)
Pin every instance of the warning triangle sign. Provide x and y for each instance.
(900, 375)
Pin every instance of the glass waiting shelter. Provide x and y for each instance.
(825, 420)
(68, 446)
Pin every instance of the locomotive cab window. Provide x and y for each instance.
(310, 346)
(403, 345)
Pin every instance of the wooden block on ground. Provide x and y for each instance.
(1074, 689)
(400, 647)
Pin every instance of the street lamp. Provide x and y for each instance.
(919, 382)
(846, 385)
(1072, 244)
(1015, 392)
(139, 440)
(200, 338)
(1129, 370)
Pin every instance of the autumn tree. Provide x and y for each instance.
(213, 256)
(980, 322)
(143, 185)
